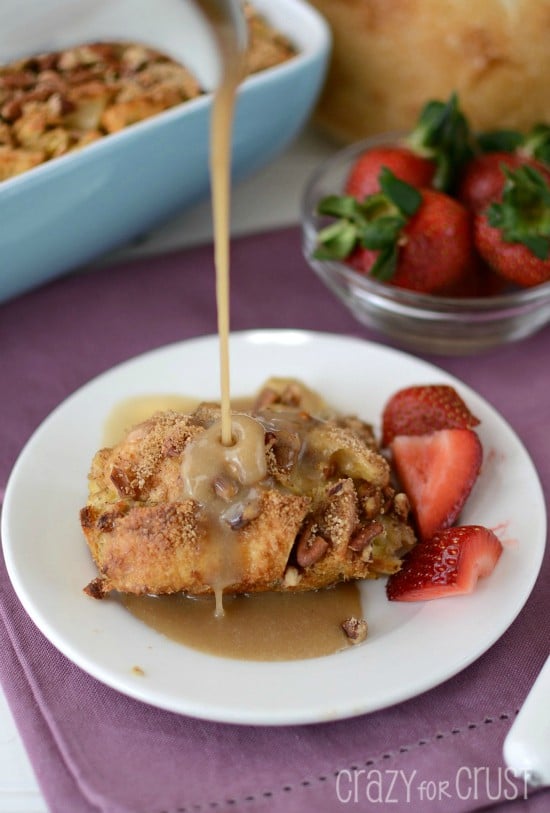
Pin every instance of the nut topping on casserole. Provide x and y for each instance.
(53, 103)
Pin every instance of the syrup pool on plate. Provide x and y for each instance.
(266, 626)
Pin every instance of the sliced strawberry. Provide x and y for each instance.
(448, 564)
(421, 410)
(437, 472)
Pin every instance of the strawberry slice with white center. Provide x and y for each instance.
(448, 564)
(437, 472)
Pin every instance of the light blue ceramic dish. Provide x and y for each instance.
(73, 209)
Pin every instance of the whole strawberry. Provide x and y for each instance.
(430, 156)
(483, 177)
(405, 164)
(420, 240)
(513, 236)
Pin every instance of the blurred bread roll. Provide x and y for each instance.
(391, 56)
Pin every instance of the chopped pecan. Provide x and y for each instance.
(96, 588)
(12, 109)
(337, 516)
(311, 546)
(124, 483)
(388, 493)
(52, 80)
(365, 535)
(370, 499)
(17, 79)
(286, 448)
(88, 516)
(290, 394)
(356, 629)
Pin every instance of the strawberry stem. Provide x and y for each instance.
(537, 143)
(500, 141)
(403, 195)
(534, 144)
(374, 223)
(443, 134)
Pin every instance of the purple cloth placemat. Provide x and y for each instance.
(94, 749)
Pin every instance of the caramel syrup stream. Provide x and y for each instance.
(220, 172)
(225, 25)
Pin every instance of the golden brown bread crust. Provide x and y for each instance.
(151, 548)
(339, 520)
(392, 56)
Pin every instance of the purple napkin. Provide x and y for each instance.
(94, 749)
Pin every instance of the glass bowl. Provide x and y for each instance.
(425, 322)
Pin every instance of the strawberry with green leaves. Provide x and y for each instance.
(483, 178)
(415, 239)
(430, 156)
(411, 167)
(448, 564)
(513, 236)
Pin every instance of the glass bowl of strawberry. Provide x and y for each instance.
(436, 239)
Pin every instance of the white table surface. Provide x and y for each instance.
(279, 188)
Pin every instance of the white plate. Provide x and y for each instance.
(411, 647)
